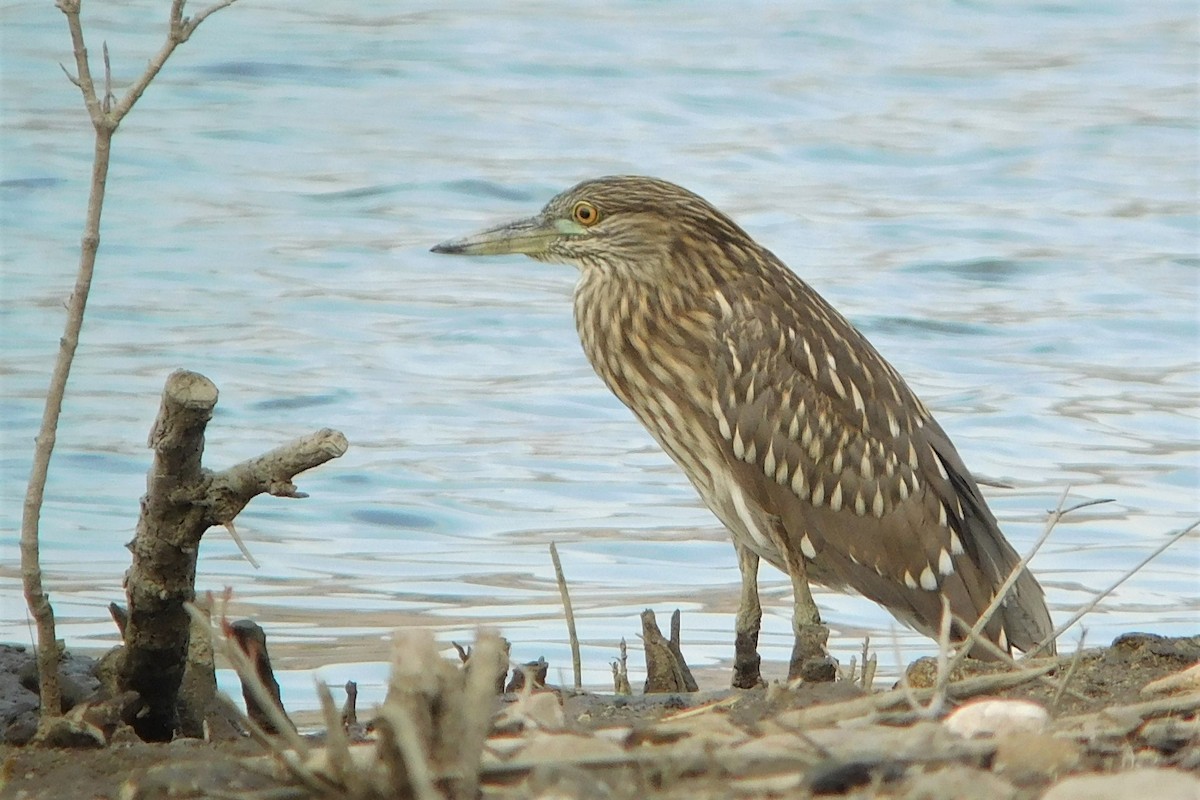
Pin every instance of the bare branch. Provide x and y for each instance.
(1105, 593)
(70, 9)
(70, 77)
(180, 31)
(194, 22)
(1066, 679)
(108, 93)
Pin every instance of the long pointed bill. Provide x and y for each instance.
(528, 236)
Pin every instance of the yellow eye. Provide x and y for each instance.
(585, 213)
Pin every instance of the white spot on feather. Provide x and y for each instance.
(806, 547)
(908, 580)
(722, 422)
(837, 461)
(902, 488)
(837, 384)
(769, 459)
(798, 484)
(928, 581)
(743, 511)
(956, 547)
(818, 493)
(860, 505)
(893, 424)
(726, 309)
(858, 400)
(781, 474)
(865, 467)
(877, 504)
(942, 515)
(835, 499)
(739, 449)
(937, 460)
(945, 563)
(812, 361)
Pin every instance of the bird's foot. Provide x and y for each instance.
(746, 662)
(810, 662)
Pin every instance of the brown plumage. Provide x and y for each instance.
(798, 435)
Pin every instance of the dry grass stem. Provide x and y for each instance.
(241, 663)
(401, 728)
(479, 699)
(338, 744)
(249, 676)
(576, 660)
(241, 545)
(870, 662)
(1065, 681)
(1078, 615)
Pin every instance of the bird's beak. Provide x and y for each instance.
(528, 236)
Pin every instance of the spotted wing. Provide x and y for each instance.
(866, 485)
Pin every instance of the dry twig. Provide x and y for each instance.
(576, 660)
(1106, 592)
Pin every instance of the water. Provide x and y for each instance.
(1002, 196)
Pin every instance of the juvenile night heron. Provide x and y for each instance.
(797, 434)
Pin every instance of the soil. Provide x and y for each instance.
(769, 742)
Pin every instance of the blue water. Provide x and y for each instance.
(1003, 196)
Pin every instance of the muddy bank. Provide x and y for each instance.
(807, 740)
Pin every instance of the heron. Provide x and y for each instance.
(796, 433)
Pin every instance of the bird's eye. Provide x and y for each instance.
(585, 213)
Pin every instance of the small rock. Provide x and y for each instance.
(1137, 784)
(69, 733)
(1169, 735)
(835, 776)
(993, 717)
(818, 670)
(1184, 680)
(1027, 759)
(922, 673)
(961, 783)
(21, 730)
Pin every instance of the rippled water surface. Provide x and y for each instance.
(1003, 196)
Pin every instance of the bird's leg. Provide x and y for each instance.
(810, 661)
(749, 618)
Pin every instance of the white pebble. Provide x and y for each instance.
(992, 717)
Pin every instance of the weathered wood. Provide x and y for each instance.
(666, 670)
(250, 636)
(182, 501)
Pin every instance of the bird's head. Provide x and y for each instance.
(626, 226)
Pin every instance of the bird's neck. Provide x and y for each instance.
(642, 342)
